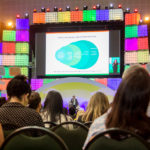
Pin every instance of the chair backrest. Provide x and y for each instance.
(50, 124)
(117, 139)
(74, 136)
(22, 139)
(88, 124)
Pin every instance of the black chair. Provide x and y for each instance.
(22, 139)
(50, 124)
(88, 124)
(73, 134)
(117, 139)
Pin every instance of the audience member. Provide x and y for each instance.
(35, 101)
(97, 106)
(14, 114)
(72, 112)
(53, 108)
(129, 106)
(2, 101)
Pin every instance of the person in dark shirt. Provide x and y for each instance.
(14, 114)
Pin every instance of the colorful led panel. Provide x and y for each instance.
(64, 16)
(143, 43)
(102, 81)
(8, 60)
(2, 71)
(76, 16)
(45, 81)
(142, 30)
(131, 31)
(39, 17)
(0, 48)
(7, 75)
(36, 83)
(9, 35)
(113, 83)
(51, 17)
(4, 94)
(131, 57)
(21, 60)
(3, 84)
(131, 44)
(22, 48)
(89, 15)
(132, 19)
(22, 36)
(24, 71)
(0, 59)
(126, 67)
(143, 56)
(102, 15)
(116, 14)
(13, 71)
(8, 48)
(22, 24)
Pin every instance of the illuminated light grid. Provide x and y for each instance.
(8, 48)
(36, 83)
(4, 95)
(143, 43)
(132, 19)
(1, 48)
(9, 35)
(22, 24)
(0, 59)
(51, 17)
(142, 30)
(45, 81)
(102, 15)
(143, 56)
(22, 36)
(76, 16)
(131, 57)
(113, 83)
(126, 67)
(13, 71)
(131, 31)
(102, 81)
(131, 44)
(24, 71)
(8, 60)
(64, 16)
(7, 75)
(39, 17)
(22, 48)
(116, 14)
(4, 84)
(89, 15)
(21, 60)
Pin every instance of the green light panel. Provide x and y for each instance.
(24, 71)
(45, 81)
(9, 35)
(89, 15)
(143, 56)
(7, 75)
(131, 31)
(21, 60)
(22, 48)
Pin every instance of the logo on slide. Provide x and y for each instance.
(80, 55)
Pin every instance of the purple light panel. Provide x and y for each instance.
(102, 15)
(131, 44)
(22, 24)
(36, 83)
(113, 83)
(22, 36)
(142, 30)
(0, 48)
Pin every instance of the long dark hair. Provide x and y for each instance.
(130, 104)
(53, 105)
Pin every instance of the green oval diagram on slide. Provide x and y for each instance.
(82, 54)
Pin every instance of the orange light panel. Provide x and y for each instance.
(132, 19)
(76, 16)
(39, 17)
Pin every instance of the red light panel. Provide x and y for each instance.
(102, 81)
(76, 16)
(39, 17)
(4, 83)
(143, 43)
(132, 19)
(8, 48)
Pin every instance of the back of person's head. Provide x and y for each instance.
(97, 106)
(17, 87)
(72, 112)
(35, 100)
(2, 101)
(53, 104)
(131, 101)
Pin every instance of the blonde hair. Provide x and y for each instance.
(97, 106)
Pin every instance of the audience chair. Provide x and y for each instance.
(73, 134)
(50, 125)
(20, 139)
(117, 139)
(88, 124)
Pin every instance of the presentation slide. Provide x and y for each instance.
(77, 53)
